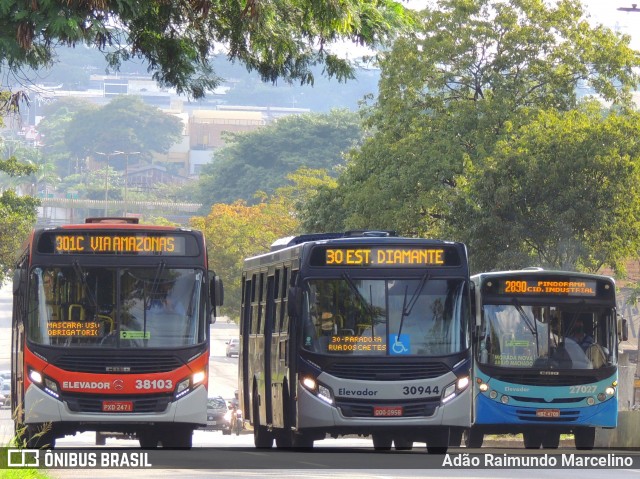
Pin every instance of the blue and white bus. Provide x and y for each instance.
(545, 356)
(356, 333)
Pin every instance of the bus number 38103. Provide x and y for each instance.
(420, 390)
(154, 384)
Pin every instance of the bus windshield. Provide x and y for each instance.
(79, 306)
(378, 317)
(548, 337)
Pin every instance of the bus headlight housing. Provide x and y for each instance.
(188, 384)
(45, 383)
(453, 389)
(320, 390)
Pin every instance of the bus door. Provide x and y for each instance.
(270, 349)
(280, 345)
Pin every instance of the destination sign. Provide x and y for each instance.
(542, 287)
(141, 244)
(392, 256)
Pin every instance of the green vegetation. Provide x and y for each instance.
(279, 40)
(481, 133)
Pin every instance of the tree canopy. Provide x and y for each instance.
(280, 40)
(261, 160)
(471, 94)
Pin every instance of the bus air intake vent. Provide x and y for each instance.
(384, 370)
(120, 364)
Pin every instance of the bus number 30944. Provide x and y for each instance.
(419, 390)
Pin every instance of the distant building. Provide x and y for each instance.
(206, 127)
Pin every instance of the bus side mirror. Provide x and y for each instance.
(294, 302)
(623, 329)
(216, 290)
(17, 279)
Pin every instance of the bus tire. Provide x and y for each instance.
(381, 442)
(178, 438)
(551, 440)
(148, 439)
(40, 437)
(403, 444)
(455, 437)
(532, 439)
(262, 438)
(585, 438)
(438, 441)
(473, 438)
(101, 439)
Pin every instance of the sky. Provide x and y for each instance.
(606, 13)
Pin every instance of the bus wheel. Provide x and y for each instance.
(40, 437)
(532, 439)
(585, 438)
(403, 444)
(101, 439)
(381, 442)
(262, 438)
(551, 440)
(455, 437)
(473, 438)
(178, 438)
(148, 439)
(438, 443)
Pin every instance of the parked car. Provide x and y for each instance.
(233, 347)
(5, 394)
(216, 410)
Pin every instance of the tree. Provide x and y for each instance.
(282, 39)
(466, 83)
(260, 160)
(563, 193)
(17, 213)
(125, 124)
(236, 231)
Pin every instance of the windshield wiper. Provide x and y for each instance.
(368, 307)
(408, 307)
(85, 285)
(531, 326)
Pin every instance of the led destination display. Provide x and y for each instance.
(391, 256)
(141, 244)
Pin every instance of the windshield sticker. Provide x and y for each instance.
(400, 344)
(135, 335)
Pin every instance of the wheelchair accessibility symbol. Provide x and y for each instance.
(400, 344)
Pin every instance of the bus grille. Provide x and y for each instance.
(152, 403)
(121, 364)
(360, 408)
(566, 415)
(374, 370)
(536, 379)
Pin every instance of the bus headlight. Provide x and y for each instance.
(504, 399)
(321, 391)
(35, 376)
(189, 383)
(453, 389)
(45, 383)
(610, 391)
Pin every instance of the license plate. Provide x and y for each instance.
(212, 423)
(117, 406)
(548, 412)
(387, 411)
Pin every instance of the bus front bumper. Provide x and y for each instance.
(40, 407)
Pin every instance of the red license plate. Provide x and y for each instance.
(117, 406)
(548, 412)
(387, 411)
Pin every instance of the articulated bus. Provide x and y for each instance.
(356, 333)
(545, 356)
(111, 332)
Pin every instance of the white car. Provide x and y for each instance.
(5, 394)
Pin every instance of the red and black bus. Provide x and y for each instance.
(111, 332)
